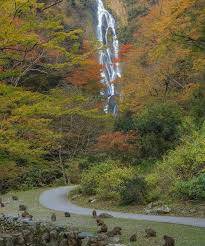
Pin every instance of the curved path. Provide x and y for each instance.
(57, 199)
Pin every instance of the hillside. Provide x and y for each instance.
(108, 95)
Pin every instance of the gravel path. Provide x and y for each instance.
(57, 199)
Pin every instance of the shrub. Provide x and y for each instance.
(193, 189)
(90, 178)
(39, 177)
(196, 104)
(105, 180)
(134, 191)
(183, 164)
(124, 122)
(111, 182)
(73, 172)
(159, 127)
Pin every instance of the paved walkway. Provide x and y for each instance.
(57, 199)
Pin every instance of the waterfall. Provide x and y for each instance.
(106, 35)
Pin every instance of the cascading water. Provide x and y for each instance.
(108, 57)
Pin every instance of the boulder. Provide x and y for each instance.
(83, 235)
(67, 214)
(158, 210)
(133, 238)
(22, 207)
(150, 233)
(14, 198)
(105, 215)
(92, 200)
(1, 241)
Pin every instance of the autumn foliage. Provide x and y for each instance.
(117, 143)
(167, 52)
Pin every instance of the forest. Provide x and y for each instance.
(53, 128)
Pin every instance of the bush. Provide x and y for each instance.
(124, 122)
(105, 180)
(73, 172)
(39, 177)
(196, 104)
(159, 127)
(13, 177)
(183, 164)
(90, 178)
(111, 182)
(134, 191)
(193, 189)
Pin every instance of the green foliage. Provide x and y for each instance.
(193, 189)
(196, 104)
(90, 179)
(35, 127)
(105, 180)
(159, 128)
(39, 177)
(183, 164)
(124, 122)
(134, 191)
(137, 12)
(34, 42)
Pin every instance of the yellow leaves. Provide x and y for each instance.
(199, 64)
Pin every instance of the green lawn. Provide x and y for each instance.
(189, 209)
(185, 235)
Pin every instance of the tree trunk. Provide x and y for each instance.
(66, 180)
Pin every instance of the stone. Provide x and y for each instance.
(115, 231)
(28, 236)
(2, 205)
(111, 244)
(1, 241)
(115, 239)
(53, 238)
(75, 197)
(105, 215)
(133, 238)
(168, 241)
(45, 238)
(92, 200)
(63, 242)
(158, 210)
(83, 235)
(67, 214)
(18, 239)
(53, 217)
(150, 233)
(22, 207)
(14, 198)
(8, 240)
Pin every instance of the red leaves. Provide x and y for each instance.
(126, 48)
(88, 72)
(117, 142)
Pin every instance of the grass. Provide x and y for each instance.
(178, 209)
(185, 235)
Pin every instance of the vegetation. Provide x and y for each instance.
(189, 235)
(53, 128)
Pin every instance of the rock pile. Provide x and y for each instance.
(157, 208)
(16, 232)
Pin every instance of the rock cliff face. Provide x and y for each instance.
(118, 7)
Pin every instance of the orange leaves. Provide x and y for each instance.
(17, 21)
(89, 72)
(117, 142)
(125, 48)
(167, 55)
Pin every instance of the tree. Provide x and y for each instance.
(34, 41)
(118, 144)
(159, 128)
